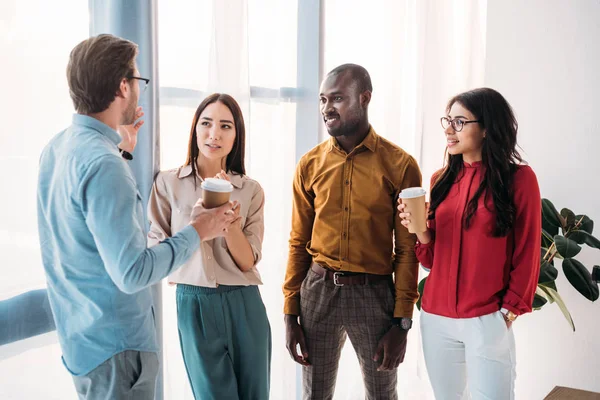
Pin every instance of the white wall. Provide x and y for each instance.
(544, 57)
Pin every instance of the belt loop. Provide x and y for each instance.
(321, 277)
(366, 279)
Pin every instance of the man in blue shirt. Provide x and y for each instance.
(92, 230)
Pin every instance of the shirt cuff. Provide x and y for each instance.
(507, 307)
(404, 309)
(292, 306)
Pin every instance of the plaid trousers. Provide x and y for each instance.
(328, 314)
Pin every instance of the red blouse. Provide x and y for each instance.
(472, 272)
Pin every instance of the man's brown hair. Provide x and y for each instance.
(96, 67)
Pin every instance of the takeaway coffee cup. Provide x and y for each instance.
(414, 200)
(215, 192)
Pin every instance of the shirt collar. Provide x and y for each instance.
(369, 142)
(475, 164)
(235, 179)
(97, 125)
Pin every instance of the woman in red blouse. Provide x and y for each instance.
(482, 247)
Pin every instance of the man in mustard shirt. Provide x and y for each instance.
(352, 270)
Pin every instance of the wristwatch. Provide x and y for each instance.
(508, 315)
(125, 154)
(402, 323)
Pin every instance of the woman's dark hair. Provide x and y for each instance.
(235, 158)
(500, 158)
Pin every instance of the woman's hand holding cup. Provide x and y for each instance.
(411, 201)
(404, 213)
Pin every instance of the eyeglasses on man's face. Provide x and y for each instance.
(457, 123)
(145, 80)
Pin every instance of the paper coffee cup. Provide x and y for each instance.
(215, 192)
(414, 200)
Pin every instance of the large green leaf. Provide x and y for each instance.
(582, 237)
(586, 224)
(596, 273)
(551, 219)
(547, 271)
(569, 218)
(421, 288)
(539, 301)
(566, 247)
(580, 278)
(540, 290)
(553, 296)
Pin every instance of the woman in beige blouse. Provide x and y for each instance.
(223, 327)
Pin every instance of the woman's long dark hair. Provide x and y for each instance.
(235, 159)
(500, 158)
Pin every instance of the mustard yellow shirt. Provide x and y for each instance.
(345, 218)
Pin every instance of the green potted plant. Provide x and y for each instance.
(562, 236)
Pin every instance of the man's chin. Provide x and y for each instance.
(128, 121)
(335, 132)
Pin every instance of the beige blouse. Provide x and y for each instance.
(173, 196)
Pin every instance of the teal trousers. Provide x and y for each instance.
(225, 339)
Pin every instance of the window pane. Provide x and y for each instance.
(272, 42)
(184, 37)
(272, 163)
(175, 123)
(35, 105)
(36, 373)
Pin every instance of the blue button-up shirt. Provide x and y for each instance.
(93, 241)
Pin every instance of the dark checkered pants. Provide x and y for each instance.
(327, 314)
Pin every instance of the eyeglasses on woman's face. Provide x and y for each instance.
(457, 123)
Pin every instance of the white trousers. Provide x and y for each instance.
(478, 353)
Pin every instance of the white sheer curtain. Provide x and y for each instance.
(34, 106)
(419, 54)
(246, 48)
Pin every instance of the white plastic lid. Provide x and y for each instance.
(217, 185)
(411, 193)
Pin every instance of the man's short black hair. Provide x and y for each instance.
(358, 74)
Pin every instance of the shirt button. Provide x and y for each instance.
(347, 182)
(179, 210)
(344, 234)
(209, 257)
(345, 208)
(212, 277)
